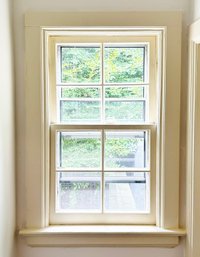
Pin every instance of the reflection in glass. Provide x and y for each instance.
(76, 112)
(125, 104)
(124, 111)
(78, 191)
(127, 192)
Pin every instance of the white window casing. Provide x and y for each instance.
(193, 143)
(166, 27)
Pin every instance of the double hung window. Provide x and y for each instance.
(102, 128)
(103, 117)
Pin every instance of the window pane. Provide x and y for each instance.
(124, 104)
(78, 191)
(126, 149)
(125, 111)
(80, 149)
(79, 105)
(82, 92)
(127, 192)
(124, 64)
(80, 111)
(80, 64)
(128, 92)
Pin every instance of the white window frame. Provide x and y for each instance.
(38, 27)
(193, 146)
(114, 37)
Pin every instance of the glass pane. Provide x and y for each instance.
(127, 192)
(78, 191)
(127, 149)
(79, 105)
(127, 92)
(80, 111)
(80, 64)
(124, 64)
(79, 149)
(80, 92)
(125, 111)
(123, 104)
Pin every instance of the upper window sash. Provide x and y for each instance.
(101, 57)
(148, 101)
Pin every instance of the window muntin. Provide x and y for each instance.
(118, 104)
(99, 103)
(82, 165)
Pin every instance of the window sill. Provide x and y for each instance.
(102, 235)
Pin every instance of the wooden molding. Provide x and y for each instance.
(80, 236)
(193, 144)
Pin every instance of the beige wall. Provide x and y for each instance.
(7, 142)
(20, 7)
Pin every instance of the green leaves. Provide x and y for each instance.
(80, 64)
(75, 92)
(124, 65)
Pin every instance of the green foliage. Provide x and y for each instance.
(124, 65)
(110, 92)
(124, 92)
(86, 92)
(80, 65)
(117, 149)
(81, 153)
(86, 152)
